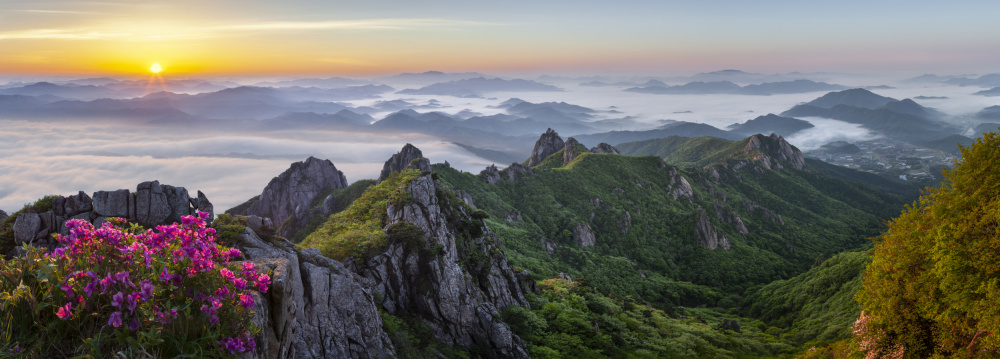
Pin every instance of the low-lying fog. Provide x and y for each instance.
(38, 158)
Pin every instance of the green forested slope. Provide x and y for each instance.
(646, 244)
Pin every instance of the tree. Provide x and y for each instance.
(934, 281)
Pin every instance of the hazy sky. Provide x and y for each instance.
(371, 37)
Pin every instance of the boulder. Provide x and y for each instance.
(112, 203)
(26, 226)
(77, 204)
(179, 202)
(548, 144)
(409, 157)
(152, 207)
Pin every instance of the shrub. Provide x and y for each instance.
(126, 291)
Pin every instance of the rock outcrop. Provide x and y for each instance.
(679, 186)
(409, 157)
(288, 197)
(583, 236)
(548, 144)
(605, 148)
(570, 150)
(517, 170)
(315, 308)
(491, 174)
(2, 215)
(705, 234)
(152, 204)
(773, 152)
(768, 214)
(456, 280)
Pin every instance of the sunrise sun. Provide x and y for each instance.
(156, 68)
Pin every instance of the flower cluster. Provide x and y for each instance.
(145, 280)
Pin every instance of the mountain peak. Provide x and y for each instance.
(856, 97)
(772, 151)
(547, 144)
(409, 157)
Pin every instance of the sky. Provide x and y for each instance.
(239, 38)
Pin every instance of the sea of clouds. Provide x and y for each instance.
(38, 158)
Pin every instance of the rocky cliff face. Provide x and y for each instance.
(456, 278)
(315, 308)
(286, 199)
(605, 148)
(705, 234)
(409, 157)
(570, 151)
(773, 152)
(2, 214)
(151, 204)
(547, 144)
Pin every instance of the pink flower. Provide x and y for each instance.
(240, 283)
(165, 275)
(246, 301)
(64, 312)
(247, 266)
(90, 288)
(115, 320)
(227, 274)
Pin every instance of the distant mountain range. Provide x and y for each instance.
(475, 87)
(726, 87)
(991, 92)
(771, 123)
(902, 120)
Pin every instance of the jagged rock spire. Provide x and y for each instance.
(293, 190)
(547, 144)
(407, 158)
(773, 151)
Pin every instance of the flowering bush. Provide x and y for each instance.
(162, 293)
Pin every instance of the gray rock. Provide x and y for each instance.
(291, 193)
(152, 207)
(548, 144)
(329, 204)
(77, 204)
(679, 186)
(316, 308)
(59, 205)
(204, 205)
(570, 151)
(112, 203)
(179, 202)
(2, 215)
(583, 236)
(517, 170)
(459, 304)
(408, 158)
(705, 234)
(605, 148)
(773, 152)
(491, 174)
(26, 226)
(50, 224)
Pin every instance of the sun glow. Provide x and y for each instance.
(156, 68)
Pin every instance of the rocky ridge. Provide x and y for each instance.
(286, 199)
(316, 307)
(773, 152)
(150, 205)
(458, 288)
